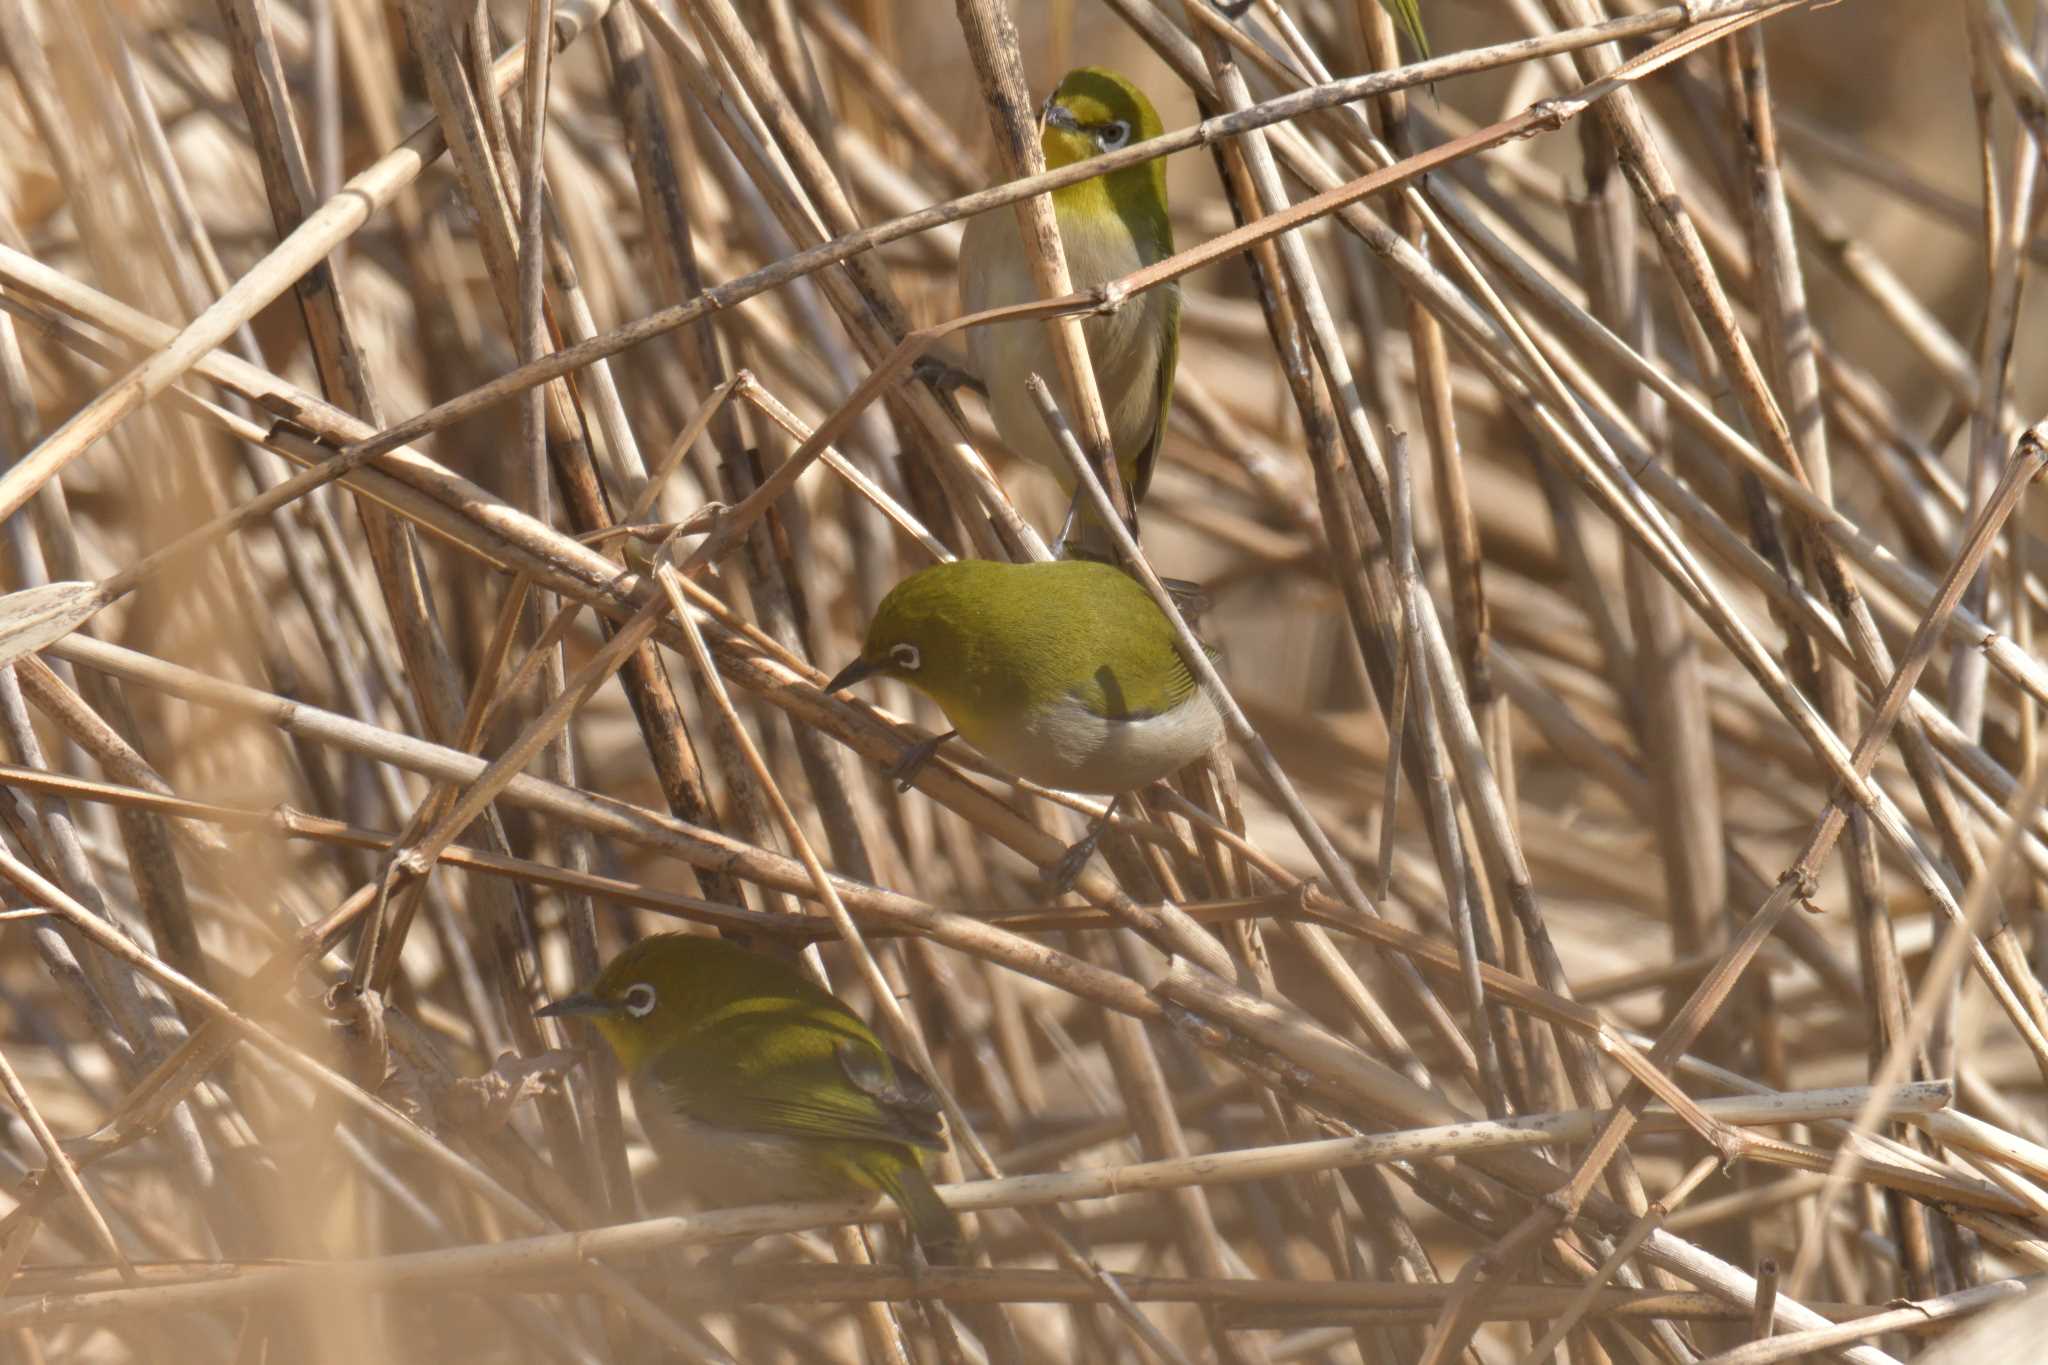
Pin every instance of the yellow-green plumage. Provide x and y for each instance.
(758, 1086)
(1063, 672)
(1109, 226)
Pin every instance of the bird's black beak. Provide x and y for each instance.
(857, 671)
(576, 1004)
(1055, 113)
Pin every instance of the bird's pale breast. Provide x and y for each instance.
(724, 1167)
(1124, 346)
(1068, 746)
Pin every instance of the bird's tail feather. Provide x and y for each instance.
(934, 1225)
(937, 1230)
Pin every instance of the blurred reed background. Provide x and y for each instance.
(1624, 463)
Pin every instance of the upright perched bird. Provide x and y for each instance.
(1109, 226)
(1063, 672)
(759, 1086)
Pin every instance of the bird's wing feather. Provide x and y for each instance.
(797, 1071)
(1116, 695)
(1409, 14)
(1169, 361)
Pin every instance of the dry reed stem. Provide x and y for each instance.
(1708, 547)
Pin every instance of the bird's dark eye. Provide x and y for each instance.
(905, 657)
(1112, 135)
(639, 1000)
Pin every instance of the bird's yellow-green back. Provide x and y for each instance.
(723, 1039)
(989, 639)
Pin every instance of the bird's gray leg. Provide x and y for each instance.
(943, 375)
(1060, 877)
(1059, 544)
(904, 770)
(720, 1260)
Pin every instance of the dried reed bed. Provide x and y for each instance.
(455, 471)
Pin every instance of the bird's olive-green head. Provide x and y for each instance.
(931, 628)
(657, 992)
(1095, 110)
(642, 995)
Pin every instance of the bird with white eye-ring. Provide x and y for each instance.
(1109, 226)
(1064, 672)
(756, 1085)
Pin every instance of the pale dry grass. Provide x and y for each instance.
(1677, 996)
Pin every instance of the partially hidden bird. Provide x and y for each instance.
(1109, 226)
(1064, 672)
(758, 1085)
(1406, 13)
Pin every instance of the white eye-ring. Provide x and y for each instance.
(639, 1000)
(1110, 136)
(906, 657)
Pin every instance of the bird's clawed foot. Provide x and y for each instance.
(1059, 544)
(905, 769)
(946, 377)
(720, 1260)
(1059, 878)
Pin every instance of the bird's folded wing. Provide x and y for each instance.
(768, 1073)
(1139, 693)
(1169, 361)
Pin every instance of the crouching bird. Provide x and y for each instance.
(756, 1085)
(1063, 672)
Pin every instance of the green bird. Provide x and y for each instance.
(758, 1086)
(1109, 226)
(1063, 672)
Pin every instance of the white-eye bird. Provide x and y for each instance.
(1109, 226)
(1063, 672)
(757, 1085)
